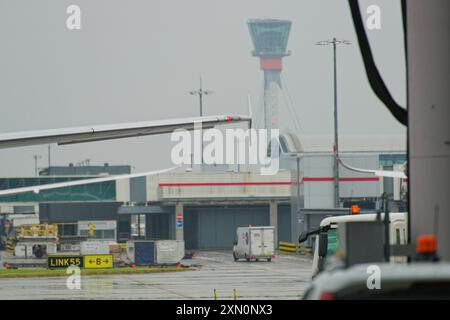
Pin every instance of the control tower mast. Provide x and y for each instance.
(270, 37)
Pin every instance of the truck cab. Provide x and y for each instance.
(326, 241)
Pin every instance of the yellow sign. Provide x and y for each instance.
(98, 261)
(54, 262)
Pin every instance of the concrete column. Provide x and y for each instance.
(179, 221)
(429, 115)
(273, 218)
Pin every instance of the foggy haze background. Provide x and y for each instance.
(136, 60)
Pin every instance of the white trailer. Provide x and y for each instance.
(254, 243)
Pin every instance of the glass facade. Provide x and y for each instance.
(102, 191)
(270, 37)
(388, 160)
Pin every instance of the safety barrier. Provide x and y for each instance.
(216, 296)
(288, 248)
(10, 245)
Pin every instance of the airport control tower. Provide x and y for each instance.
(270, 37)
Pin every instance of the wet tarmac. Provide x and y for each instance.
(286, 277)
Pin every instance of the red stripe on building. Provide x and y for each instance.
(208, 184)
(266, 183)
(349, 179)
(317, 179)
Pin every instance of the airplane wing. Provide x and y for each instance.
(38, 188)
(379, 173)
(112, 131)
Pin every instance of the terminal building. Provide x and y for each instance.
(204, 207)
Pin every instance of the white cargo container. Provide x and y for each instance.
(34, 249)
(155, 252)
(254, 243)
(169, 251)
(95, 247)
(23, 251)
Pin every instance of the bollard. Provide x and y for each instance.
(215, 294)
(234, 294)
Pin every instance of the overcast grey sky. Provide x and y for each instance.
(136, 60)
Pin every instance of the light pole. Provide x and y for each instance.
(334, 42)
(200, 92)
(49, 156)
(36, 157)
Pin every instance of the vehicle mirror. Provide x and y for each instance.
(323, 244)
(303, 236)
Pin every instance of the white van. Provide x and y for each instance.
(398, 235)
(254, 243)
